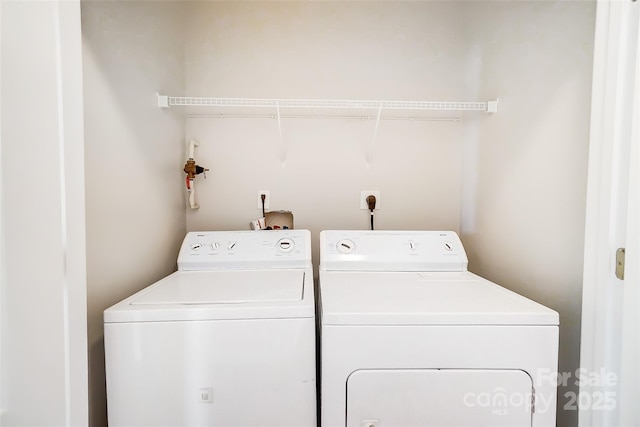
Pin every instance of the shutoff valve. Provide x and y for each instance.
(191, 169)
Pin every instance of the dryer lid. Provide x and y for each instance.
(410, 298)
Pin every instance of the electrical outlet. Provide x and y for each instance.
(267, 199)
(363, 198)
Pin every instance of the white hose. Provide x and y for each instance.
(192, 145)
(192, 196)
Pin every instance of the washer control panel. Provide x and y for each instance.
(382, 250)
(212, 250)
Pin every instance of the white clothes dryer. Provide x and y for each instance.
(227, 340)
(409, 337)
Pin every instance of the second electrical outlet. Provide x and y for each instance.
(267, 199)
(363, 198)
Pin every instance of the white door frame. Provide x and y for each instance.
(610, 341)
(43, 314)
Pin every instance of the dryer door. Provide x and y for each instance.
(439, 398)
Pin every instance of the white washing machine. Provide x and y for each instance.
(409, 337)
(227, 340)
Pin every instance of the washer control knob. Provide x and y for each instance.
(285, 245)
(196, 246)
(346, 246)
(448, 246)
(215, 246)
(232, 245)
(412, 245)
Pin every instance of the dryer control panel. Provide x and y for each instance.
(382, 250)
(245, 250)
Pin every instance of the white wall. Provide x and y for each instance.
(43, 359)
(523, 213)
(327, 50)
(134, 158)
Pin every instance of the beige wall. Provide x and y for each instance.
(43, 335)
(327, 50)
(135, 205)
(523, 207)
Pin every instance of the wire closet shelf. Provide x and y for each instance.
(165, 101)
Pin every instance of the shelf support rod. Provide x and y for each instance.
(282, 146)
(375, 136)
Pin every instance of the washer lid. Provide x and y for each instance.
(409, 298)
(224, 287)
(219, 295)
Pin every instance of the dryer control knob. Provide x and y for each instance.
(285, 245)
(196, 246)
(215, 246)
(346, 246)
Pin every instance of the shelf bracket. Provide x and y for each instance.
(163, 100)
(492, 106)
